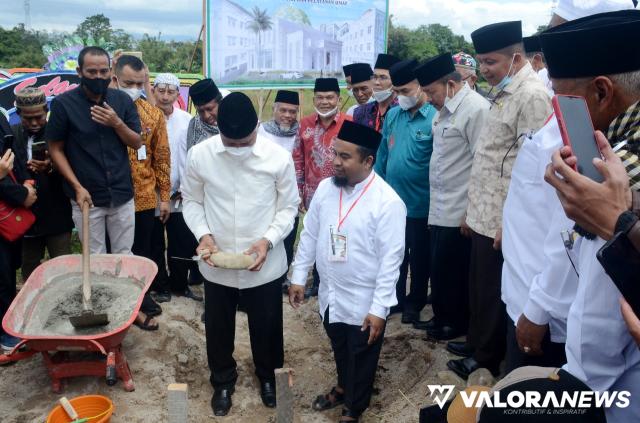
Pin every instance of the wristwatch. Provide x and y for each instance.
(269, 245)
(625, 222)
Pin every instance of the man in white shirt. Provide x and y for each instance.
(456, 127)
(180, 240)
(282, 130)
(354, 231)
(240, 196)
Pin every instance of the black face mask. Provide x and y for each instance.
(97, 86)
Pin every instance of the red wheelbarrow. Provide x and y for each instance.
(57, 351)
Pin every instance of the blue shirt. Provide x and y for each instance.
(404, 155)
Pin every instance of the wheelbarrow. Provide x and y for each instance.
(57, 350)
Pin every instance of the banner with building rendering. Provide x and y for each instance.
(289, 43)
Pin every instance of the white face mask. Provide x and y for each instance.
(240, 152)
(327, 114)
(381, 96)
(134, 93)
(285, 127)
(408, 102)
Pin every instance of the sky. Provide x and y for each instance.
(181, 19)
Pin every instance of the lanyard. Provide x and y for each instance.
(342, 219)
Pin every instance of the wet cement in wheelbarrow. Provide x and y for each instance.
(62, 298)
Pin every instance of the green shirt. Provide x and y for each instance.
(404, 155)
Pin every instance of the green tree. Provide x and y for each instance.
(98, 29)
(260, 22)
(21, 48)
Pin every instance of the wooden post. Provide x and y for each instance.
(301, 108)
(284, 395)
(260, 105)
(178, 403)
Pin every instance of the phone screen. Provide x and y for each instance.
(577, 122)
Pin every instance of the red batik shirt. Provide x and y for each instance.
(312, 153)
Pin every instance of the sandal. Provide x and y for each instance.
(348, 413)
(145, 325)
(328, 401)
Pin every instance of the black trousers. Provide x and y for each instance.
(142, 247)
(356, 362)
(290, 240)
(554, 352)
(9, 262)
(416, 258)
(181, 243)
(487, 317)
(264, 310)
(158, 251)
(450, 252)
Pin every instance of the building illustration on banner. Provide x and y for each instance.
(248, 45)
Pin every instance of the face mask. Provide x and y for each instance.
(97, 86)
(447, 98)
(327, 114)
(507, 79)
(381, 96)
(134, 93)
(239, 152)
(284, 127)
(407, 102)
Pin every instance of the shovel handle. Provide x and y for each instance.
(86, 285)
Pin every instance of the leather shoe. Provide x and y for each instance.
(463, 367)
(188, 293)
(410, 316)
(221, 401)
(425, 324)
(461, 349)
(444, 333)
(162, 296)
(268, 394)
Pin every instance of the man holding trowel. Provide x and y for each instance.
(240, 199)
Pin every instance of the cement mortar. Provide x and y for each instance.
(62, 298)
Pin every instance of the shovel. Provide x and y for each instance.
(88, 318)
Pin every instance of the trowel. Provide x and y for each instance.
(87, 318)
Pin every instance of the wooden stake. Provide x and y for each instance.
(284, 395)
(178, 403)
(301, 108)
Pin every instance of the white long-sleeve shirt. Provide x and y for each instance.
(284, 142)
(177, 125)
(366, 282)
(239, 201)
(600, 350)
(527, 226)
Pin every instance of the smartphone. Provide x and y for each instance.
(577, 132)
(621, 261)
(38, 150)
(7, 143)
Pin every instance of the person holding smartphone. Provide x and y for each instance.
(52, 230)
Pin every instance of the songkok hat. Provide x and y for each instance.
(576, 9)
(595, 45)
(532, 44)
(385, 61)
(360, 135)
(166, 78)
(497, 36)
(402, 72)
(289, 97)
(347, 69)
(434, 69)
(361, 73)
(465, 60)
(30, 98)
(326, 84)
(203, 91)
(237, 117)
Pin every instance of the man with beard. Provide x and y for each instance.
(354, 231)
(52, 229)
(312, 152)
(206, 97)
(89, 130)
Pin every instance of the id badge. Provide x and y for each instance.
(142, 153)
(337, 245)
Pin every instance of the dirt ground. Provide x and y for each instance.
(408, 363)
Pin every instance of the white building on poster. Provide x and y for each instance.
(289, 48)
(363, 39)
